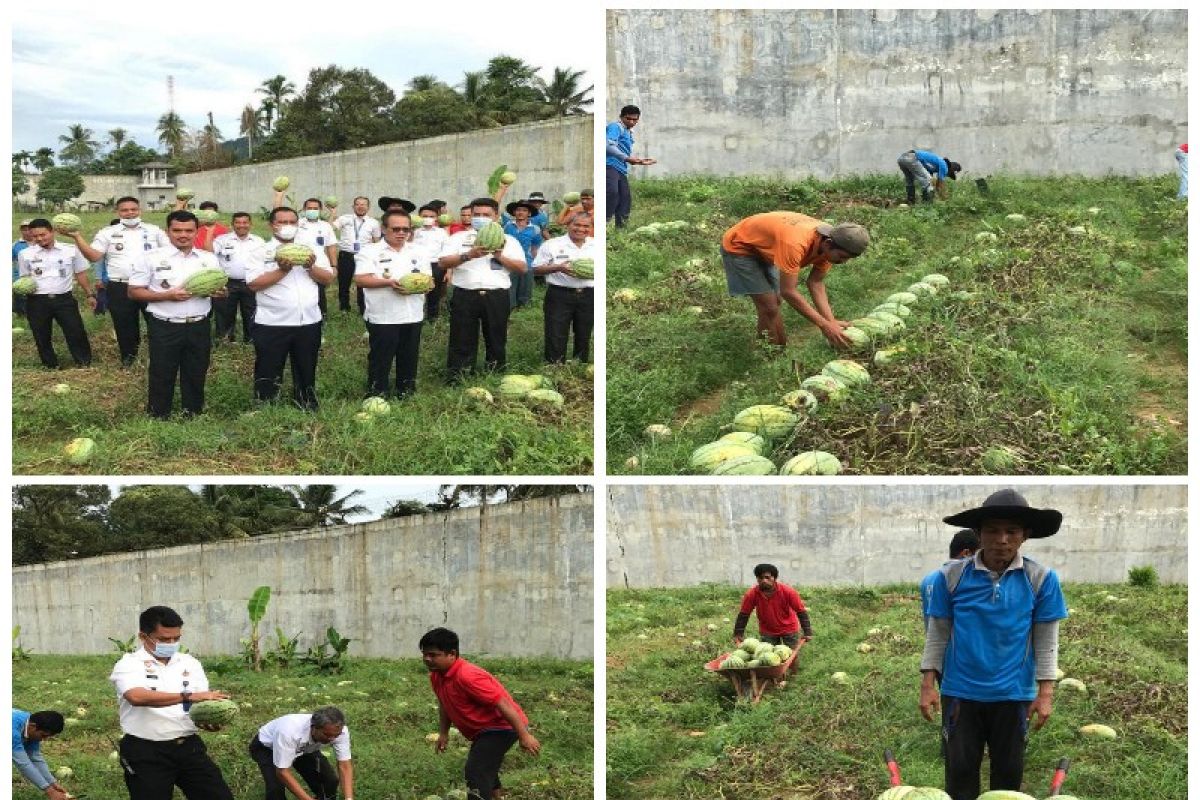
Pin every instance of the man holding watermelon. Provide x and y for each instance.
(993, 640)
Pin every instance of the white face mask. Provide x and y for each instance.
(286, 232)
(132, 222)
(312, 214)
(428, 221)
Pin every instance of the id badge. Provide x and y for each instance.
(321, 241)
(356, 247)
(147, 246)
(494, 263)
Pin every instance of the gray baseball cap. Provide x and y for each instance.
(848, 236)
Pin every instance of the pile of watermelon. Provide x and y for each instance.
(752, 654)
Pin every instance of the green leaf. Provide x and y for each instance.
(493, 182)
(258, 603)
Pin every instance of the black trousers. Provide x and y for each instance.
(968, 725)
(314, 768)
(275, 345)
(18, 304)
(472, 311)
(126, 316)
(433, 300)
(482, 770)
(43, 309)
(619, 200)
(345, 275)
(393, 344)
(225, 310)
(178, 350)
(567, 311)
(158, 767)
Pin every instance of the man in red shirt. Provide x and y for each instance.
(480, 707)
(781, 612)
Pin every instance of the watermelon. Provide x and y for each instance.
(281, 183)
(514, 387)
(416, 283)
(363, 418)
(768, 421)
(1016, 219)
(783, 651)
(753, 663)
(331, 201)
(64, 772)
(927, 793)
(571, 198)
(894, 323)
(883, 357)
(584, 268)
(1099, 731)
(376, 405)
(508, 178)
(445, 220)
(813, 462)
(207, 216)
(871, 326)
(545, 397)
(750, 644)
(923, 289)
(626, 296)
(903, 298)
(1074, 684)
(657, 433)
(961, 295)
(800, 400)
(206, 282)
(897, 309)
(1004, 794)
(827, 388)
(752, 440)
(66, 223)
(771, 659)
(79, 451)
(25, 285)
(1001, 460)
(746, 465)
(896, 792)
(479, 395)
(936, 279)
(842, 679)
(293, 255)
(184, 194)
(213, 712)
(847, 371)
(859, 339)
(986, 237)
(708, 457)
(734, 661)
(490, 237)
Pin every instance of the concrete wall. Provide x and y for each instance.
(105, 188)
(511, 579)
(836, 92)
(552, 157)
(873, 534)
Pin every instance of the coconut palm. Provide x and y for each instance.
(80, 147)
(563, 95)
(320, 507)
(172, 133)
(118, 136)
(423, 83)
(276, 90)
(43, 159)
(209, 143)
(251, 126)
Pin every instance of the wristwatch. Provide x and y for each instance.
(186, 695)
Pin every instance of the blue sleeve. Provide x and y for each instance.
(939, 598)
(612, 132)
(941, 165)
(537, 239)
(32, 767)
(1050, 604)
(102, 270)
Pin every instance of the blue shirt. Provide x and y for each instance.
(18, 247)
(927, 592)
(530, 237)
(27, 756)
(990, 655)
(932, 162)
(620, 137)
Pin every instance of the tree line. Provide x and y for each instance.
(57, 523)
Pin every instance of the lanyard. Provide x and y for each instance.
(358, 227)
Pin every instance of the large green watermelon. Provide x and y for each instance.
(213, 712)
(927, 793)
(768, 421)
(899, 309)
(708, 457)
(584, 268)
(848, 372)
(206, 282)
(746, 465)
(66, 223)
(490, 237)
(859, 339)
(24, 285)
(293, 255)
(416, 283)
(752, 440)
(814, 462)
(903, 298)
(827, 388)
(1004, 794)
(896, 792)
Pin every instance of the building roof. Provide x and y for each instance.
(155, 164)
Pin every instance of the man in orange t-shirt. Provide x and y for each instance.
(763, 256)
(480, 707)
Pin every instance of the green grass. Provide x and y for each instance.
(435, 432)
(389, 708)
(1072, 349)
(676, 731)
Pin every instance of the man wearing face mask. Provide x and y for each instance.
(288, 319)
(321, 232)
(156, 686)
(294, 741)
(121, 246)
(480, 301)
(233, 252)
(356, 231)
(178, 325)
(432, 239)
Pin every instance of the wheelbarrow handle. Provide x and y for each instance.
(1060, 775)
(893, 768)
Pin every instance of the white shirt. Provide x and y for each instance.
(123, 247)
(386, 306)
(141, 670)
(294, 299)
(482, 272)
(560, 249)
(320, 231)
(169, 268)
(290, 736)
(356, 230)
(54, 269)
(233, 252)
(431, 239)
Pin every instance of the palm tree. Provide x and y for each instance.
(209, 143)
(473, 92)
(563, 94)
(276, 90)
(80, 148)
(423, 83)
(321, 508)
(22, 159)
(250, 510)
(251, 126)
(118, 136)
(43, 159)
(267, 111)
(172, 133)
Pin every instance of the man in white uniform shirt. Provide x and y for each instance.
(480, 300)
(156, 685)
(55, 267)
(287, 320)
(569, 305)
(355, 231)
(122, 246)
(433, 238)
(177, 323)
(233, 251)
(322, 233)
(295, 741)
(393, 315)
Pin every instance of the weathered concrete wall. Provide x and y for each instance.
(551, 157)
(872, 534)
(835, 92)
(511, 579)
(105, 188)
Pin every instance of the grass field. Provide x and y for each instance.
(389, 709)
(1071, 348)
(675, 731)
(435, 432)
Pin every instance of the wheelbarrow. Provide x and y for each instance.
(750, 683)
(1060, 773)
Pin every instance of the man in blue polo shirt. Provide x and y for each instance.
(618, 157)
(993, 639)
(963, 545)
(921, 166)
(28, 733)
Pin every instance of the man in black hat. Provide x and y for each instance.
(993, 640)
(519, 225)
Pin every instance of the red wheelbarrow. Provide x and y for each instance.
(750, 683)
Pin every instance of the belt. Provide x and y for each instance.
(181, 320)
(576, 290)
(178, 740)
(118, 280)
(478, 291)
(61, 294)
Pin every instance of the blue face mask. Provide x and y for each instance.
(164, 650)
(479, 223)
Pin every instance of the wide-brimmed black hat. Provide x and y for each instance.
(1009, 504)
(385, 202)
(535, 197)
(511, 208)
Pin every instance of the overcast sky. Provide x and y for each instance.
(376, 497)
(105, 65)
